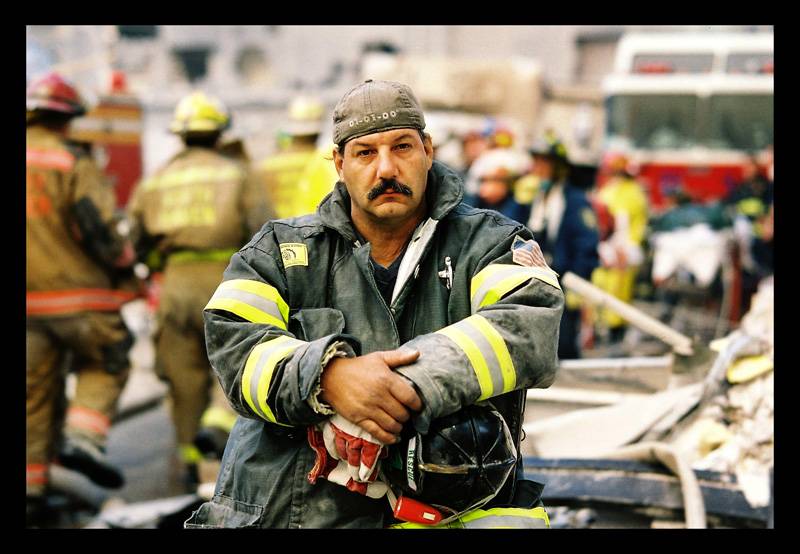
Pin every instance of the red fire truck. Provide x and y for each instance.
(113, 127)
(688, 109)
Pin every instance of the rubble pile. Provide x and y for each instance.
(734, 431)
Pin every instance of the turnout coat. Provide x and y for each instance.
(485, 326)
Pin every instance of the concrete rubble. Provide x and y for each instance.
(722, 423)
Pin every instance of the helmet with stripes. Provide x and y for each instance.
(51, 92)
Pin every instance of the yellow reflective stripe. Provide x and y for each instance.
(214, 255)
(484, 291)
(261, 289)
(266, 377)
(288, 160)
(504, 287)
(264, 304)
(262, 380)
(500, 350)
(191, 175)
(751, 207)
(190, 454)
(250, 367)
(547, 275)
(475, 359)
(248, 312)
(484, 274)
(218, 417)
(535, 513)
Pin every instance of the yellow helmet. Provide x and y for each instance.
(305, 116)
(200, 113)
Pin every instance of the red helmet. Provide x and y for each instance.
(52, 92)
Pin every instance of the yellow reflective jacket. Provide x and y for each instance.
(200, 201)
(280, 175)
(625, 195)
(317, 181)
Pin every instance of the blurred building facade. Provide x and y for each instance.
(256, 70)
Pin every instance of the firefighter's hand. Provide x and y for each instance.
(365, 391)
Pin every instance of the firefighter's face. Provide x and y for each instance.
(386, 174)
(543, 167)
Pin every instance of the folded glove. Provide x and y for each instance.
(347, 455)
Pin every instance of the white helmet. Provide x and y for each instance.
(505, 163)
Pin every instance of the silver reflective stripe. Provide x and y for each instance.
(492, 281)
(263, 304)
(506, 522)
(263, 372)
(486, 350)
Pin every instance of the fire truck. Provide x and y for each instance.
(688, 109)
(112, 129)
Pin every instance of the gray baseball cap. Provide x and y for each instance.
(374, 107)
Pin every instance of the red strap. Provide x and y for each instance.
(76, 300)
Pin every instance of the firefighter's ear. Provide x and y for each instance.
(338, 160)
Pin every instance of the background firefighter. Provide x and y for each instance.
(282, 172)
(564, 223)
(75, 263)
(621, 250)
(188, 218)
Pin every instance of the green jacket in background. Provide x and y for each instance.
(486, 330)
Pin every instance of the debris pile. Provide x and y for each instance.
(733, 431)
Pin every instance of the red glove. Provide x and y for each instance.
(347, 455)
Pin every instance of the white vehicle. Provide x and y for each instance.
(689, 108)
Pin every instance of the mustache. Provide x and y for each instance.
(387, 184)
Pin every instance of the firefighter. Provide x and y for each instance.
(750, 206)
(75, 260)
(393, 304)
(318, 177)
(565, 224)
(621, 251)
(281, 172)
(496, 172)
(188, 218)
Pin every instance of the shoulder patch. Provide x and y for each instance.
(589, 219)
(294, 253)
(527, 253)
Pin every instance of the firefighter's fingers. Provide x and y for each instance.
(404, 392)
(396, 409)
(378, 432)
(399, 357)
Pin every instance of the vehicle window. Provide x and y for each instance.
(653, 121)
(741, 121)
(750, 63)
(672, 63)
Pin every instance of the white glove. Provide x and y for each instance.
(347, 455)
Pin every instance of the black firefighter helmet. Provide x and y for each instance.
(459, 465)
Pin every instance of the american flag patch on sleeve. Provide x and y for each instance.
(527, 253)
